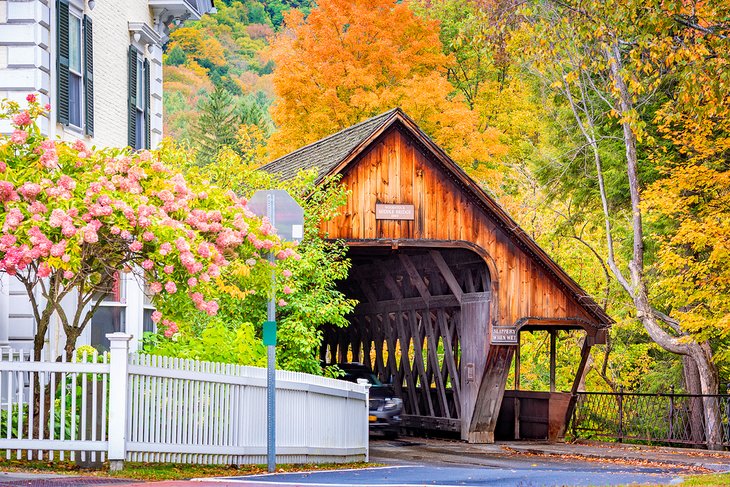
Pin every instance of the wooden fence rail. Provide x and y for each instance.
(120, 407)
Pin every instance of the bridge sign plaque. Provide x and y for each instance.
(394, 212)
(504, 335)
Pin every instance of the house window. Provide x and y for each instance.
(140, 106)
(147, 324)
(139, 100)
(111, 314)
(74, 95)
(75, 76)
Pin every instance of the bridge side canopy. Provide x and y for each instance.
(388, 159)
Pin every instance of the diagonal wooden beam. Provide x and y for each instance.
(450, 359)
(447, 274)
(415, 277)
(367, 290)
(393, 287)
(433, 361)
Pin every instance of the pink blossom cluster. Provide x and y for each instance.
(39, 246)
(286, 253)
(210, 307)
(266, 228)
(82, 151)
(7, 191)
(170, 328)
(260, 244)
(16, 258)
(205, 221)
(13, 219)
(91, 231)
(49, 155)
(37, 209)
(62, 190)
(19, 137)
(22, 119)
(30, 191)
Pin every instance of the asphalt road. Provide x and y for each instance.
(414, 462)
(585, 474)
(417, 462)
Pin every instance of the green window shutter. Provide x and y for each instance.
(132, 115)
(62, 61)
(89, 76)
(147, 100)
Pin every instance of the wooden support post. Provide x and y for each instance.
(553, 335)
(584, 353)
(491, 391)
(516, 407)
(474, 349)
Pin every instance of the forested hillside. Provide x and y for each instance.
(228, 50)
(602, 129)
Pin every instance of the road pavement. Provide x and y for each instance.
(413, 462)
(542, 474)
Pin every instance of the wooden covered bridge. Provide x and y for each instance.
(445, 278)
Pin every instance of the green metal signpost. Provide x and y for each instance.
(287, 217)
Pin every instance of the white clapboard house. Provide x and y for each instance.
(98, 63)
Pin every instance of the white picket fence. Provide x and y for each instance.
(64, 423)
(159, 409)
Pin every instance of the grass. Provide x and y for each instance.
(711, 479)
(163, 471)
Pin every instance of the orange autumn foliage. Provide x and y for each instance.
(352, 59)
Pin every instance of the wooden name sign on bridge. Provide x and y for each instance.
(445, 279)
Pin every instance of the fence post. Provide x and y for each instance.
(118, 368)
(620, 414)
(366, 384)
(671, 414)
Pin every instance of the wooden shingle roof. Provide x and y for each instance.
(327, 153)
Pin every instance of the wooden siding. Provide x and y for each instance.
(396, 169)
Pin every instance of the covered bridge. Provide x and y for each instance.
(445, 279)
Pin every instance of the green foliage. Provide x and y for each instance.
(606, 116)
(216, 126)
(225, 49)
(18, 421)
(176, 56)
(216, 342)
(315, 299)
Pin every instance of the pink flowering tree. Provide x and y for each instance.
(73, 217)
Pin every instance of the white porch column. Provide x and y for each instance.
(118, 376)
(4, 310)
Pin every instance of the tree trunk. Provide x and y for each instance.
(710, 383)
(701, 355)
(72, 334)
(683, 345)
(692, 385)
(38, 343)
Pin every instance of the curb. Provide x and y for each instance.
(715, 467)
